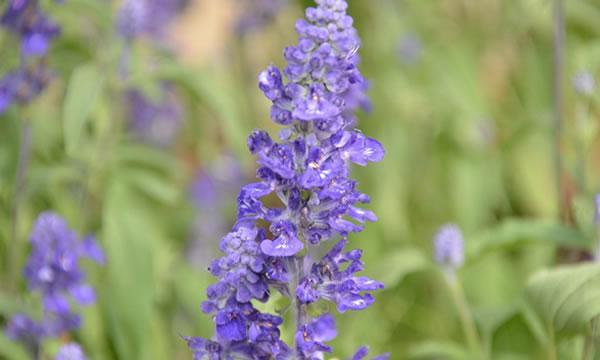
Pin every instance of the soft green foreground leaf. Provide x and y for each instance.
(84, 86)
(568, 297)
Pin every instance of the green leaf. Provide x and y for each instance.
(514, 232)
(153, 185)
(130, 234)
(568, 297)
(435, 350)
(82, 93)
(11, 350)
(394, 266)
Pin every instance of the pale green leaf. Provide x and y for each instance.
(395, 265)
(82, 93)
(437, 350)
(568, 297)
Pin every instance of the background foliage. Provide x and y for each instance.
(462, 101)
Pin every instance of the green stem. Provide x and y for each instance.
(589, 349)
(464, 313)
(557, 91)
(581, 146)
(551, 344)
(21, 173)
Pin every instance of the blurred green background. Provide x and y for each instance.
(462, 101)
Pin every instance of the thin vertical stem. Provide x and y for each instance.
(557, 91)
(21, 173)
(551, 355)
(466, 319)
(297, 310)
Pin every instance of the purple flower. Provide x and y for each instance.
(27, 331)
(53, 271)
(53, 265)
(131, 18)
(35, 30)
(584, 83)
(304, 197)
(410, 48)
(363, 351)
(311, 337)
(332, 279)
(154, 122)
(23, 85)
(257, 13)
(70, 351)
(137, 17)
(203, 349)
(449, 246)
(212, 193)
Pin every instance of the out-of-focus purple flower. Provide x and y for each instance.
(304, 197)
(28, 332)
(155, 122)
(23, 85)
(213, 194)
(257, 13)
(584, 83)
(151, 17)
(131, 18)
(70, 351)
(53, 265)
(449, 246)
(35, 30)
(53, 271)
(597, 208)
(363, 351)
(410, 48)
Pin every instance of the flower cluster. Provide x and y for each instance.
(35, 31)
(449, 247)
(53, 271)
(212, 193)
(151, 17)
(276, 247)
(154, 122)
(256, 13)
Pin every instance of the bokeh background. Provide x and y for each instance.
(151, 162)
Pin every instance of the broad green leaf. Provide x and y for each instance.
(84, 86)
(129, 237)
(151, 184)
(434, 350)
(568, 297)
(513, 232)
(394, 266)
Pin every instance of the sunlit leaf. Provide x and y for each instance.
(567, 297)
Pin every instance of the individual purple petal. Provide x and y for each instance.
(70, 351)
(231, 325)
(285, 244)
(90, 249)
(83, 294)
(56, 303)
(354, 302)
(361, 353)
